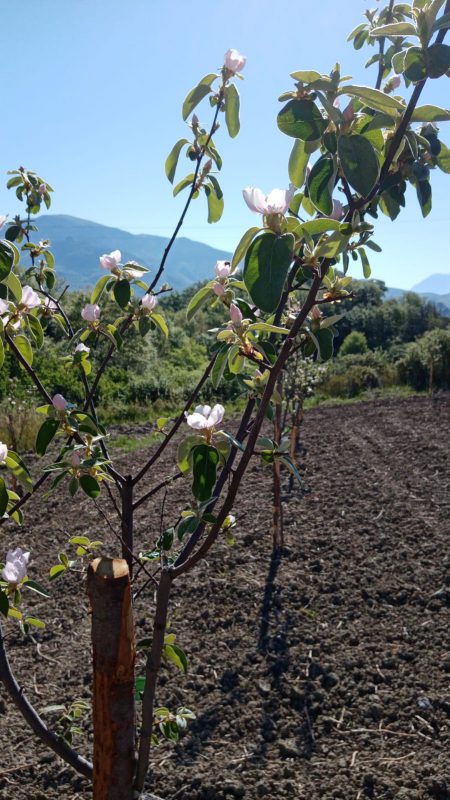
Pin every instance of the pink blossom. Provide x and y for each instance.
(204, 417)
(277, 202)
(3, 452)
(111, 261)
(223, 269)
(149, 301)
(15, 569)
(234, 60)
(235, 314)
(42, 189)
(395, 81)
(91, 312)
(338, 210)
(218, 289)
(30, 298)
(59, 402)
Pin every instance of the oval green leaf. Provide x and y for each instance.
(320, 184)
(359, 162)
(298, 161)
(302, 120)
(204, 467)
(232, 110)
(266, 267)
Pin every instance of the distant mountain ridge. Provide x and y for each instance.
(77, 244)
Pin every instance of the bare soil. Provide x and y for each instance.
(321, 674)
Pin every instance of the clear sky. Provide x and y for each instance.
(92, 94)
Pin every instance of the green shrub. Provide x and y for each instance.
(353, 344)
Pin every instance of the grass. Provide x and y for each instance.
(388, 393)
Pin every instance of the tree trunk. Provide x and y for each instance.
(113, 656)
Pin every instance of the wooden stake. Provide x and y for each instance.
(113, 658)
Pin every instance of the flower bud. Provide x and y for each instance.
(15, 569)
(349, 112)
(3, 452)
(59, 402)
(218, 289)
(91, 312)
(149, 302)
(338, 210)
(234, 60)
(235, 314)
(42, 189)
(223, 269)
(75, 460)
(81, 348)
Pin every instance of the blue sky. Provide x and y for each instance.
(93, 92)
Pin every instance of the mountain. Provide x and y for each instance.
(78, 243)
(436, 284)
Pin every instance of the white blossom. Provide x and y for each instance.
(91, 312)
(15, 569)
(234, 60)
(277, 202)
(149, 301)
(205, 417)
(111, 261)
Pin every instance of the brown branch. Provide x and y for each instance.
(29, 713)
(156, 489)
(39, 386)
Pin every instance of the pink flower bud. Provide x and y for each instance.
(234, 60)
(75, 460)
(149, 301)
(395, 81)
(349, 112)
(235, 314)
(218, 289)
(59, 402)
(111, 261)
(223, 269)
(42, 189)
(91, 312)
(338, 210)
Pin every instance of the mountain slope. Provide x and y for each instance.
(78, 243)
(436, 284)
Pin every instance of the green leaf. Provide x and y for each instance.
(90, 486)
(172, 160)
(2, 353)
(415, 64)
(177, 656)
(98, 288)
(316, 226)
(36, 623)
(359, 162)
(14, 285)
(298, 161)
(267, 327)
(36, 587)
(18, 468)
(215, 203)
(122, 293)
(4, 499)
(291, 466)
(232, 110)
(198, 300)
(423, 189)
(184, 451)
(219, 365)
(160, 322)
(36, 330)
(139, 686)
(243, 246)
(320, 184)
(442, 22)
(438, 60)
(302, 120)
(373, 98)
(429, 113)
(332, 246)
(56, 570)
(204, 467)
(324, 343)
(395, 29)
(4, 603)
(24, 348)
(443, 158)
(266, 266)
(46, 433)
(197, 94)
(9, 257)
(365, 262)
(183, 183)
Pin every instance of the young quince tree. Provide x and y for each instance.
(354, 150)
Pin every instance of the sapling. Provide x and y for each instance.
(294, 262)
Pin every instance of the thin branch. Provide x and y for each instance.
(190, 196)
(39, 386)
(29, 713)
(156, 489)
(176, 424)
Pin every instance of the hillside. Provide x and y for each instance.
(78, 243)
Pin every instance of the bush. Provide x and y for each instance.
(354, 343)
(426, 362)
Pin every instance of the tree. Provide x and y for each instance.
(292, 271)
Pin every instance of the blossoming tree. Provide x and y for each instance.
(295, 262)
